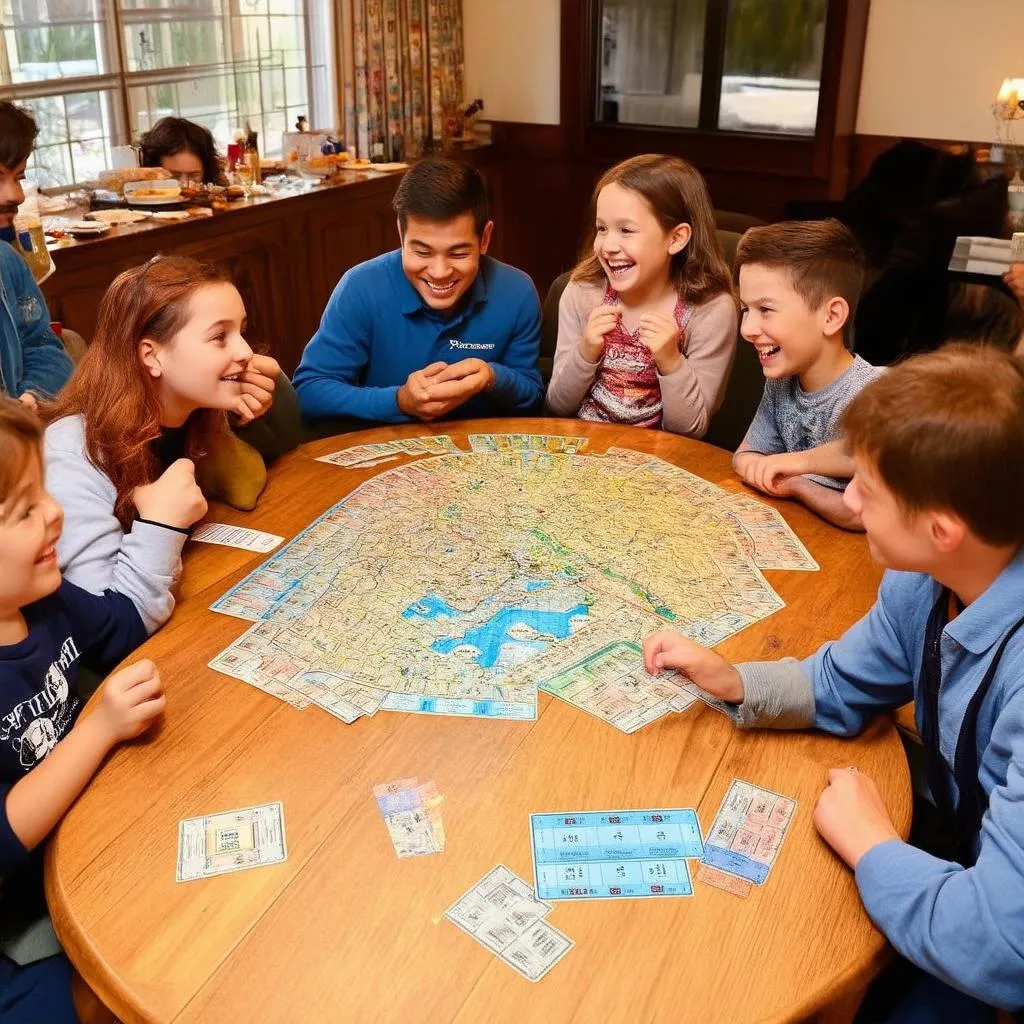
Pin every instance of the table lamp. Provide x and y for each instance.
(1009, 107)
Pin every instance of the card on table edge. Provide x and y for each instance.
(230, 536)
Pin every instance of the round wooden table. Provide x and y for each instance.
(343, 930)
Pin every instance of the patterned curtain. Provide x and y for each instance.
(404, 81)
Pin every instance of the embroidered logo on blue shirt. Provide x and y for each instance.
(30, 309)
(471, 346)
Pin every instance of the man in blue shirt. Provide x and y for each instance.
(434, 327)
(938, 443)
(33, 363)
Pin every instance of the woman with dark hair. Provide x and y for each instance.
(183, 148)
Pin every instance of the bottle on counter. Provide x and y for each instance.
(252, 154)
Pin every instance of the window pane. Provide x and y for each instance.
(75, 133)
(650, 59)
(47, 39)
(772, 71)
(90, 158)
(50, 119)
(172, 44)
(208, 100)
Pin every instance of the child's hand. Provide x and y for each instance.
(174, 498)
(602, 321)
(258, 384)
(27, 398)
(708, 669)
(660, 334)
(1014, 277)
(851, 816)
(769, 473)
(131, 700)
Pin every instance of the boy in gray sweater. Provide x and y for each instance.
(799, 283)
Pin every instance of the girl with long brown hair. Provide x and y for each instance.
(647, 324)
(149, 400)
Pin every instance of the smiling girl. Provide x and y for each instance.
(149, 400)
(647, 324)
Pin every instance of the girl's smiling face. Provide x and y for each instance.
(201, 365)
(633, 248)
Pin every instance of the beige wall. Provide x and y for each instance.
(931, 67)
(512, 58)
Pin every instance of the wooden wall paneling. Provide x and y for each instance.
(343, 233)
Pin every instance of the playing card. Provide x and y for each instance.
(215, 844)
(748, 830)
(723, 880)
(502, 913)
(236, 537)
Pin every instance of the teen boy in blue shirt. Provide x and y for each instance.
(938, 443)
(433, 327)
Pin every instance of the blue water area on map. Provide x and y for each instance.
(533, 585)
(490, 636)
(430, 607)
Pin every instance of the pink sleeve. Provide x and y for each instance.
(572, 374)
(693, 391)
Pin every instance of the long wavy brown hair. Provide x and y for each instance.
(677, 194)
(111, 390)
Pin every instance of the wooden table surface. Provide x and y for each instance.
(343, 930)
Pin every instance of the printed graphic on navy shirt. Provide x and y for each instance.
(34, 726)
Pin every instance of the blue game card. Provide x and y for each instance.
(614, 854)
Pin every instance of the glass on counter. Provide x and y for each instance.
(30, 241)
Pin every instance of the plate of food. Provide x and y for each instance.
(170, 215)
(87, 228)
(115, 217)
(152, 193)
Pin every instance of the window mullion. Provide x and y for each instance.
(713, 63)
(115, 36)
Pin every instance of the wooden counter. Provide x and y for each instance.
(285, 255)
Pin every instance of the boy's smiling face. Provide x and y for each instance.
(789, 336)
(30, 525)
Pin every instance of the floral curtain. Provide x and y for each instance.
(404, 81)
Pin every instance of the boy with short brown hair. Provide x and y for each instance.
(48, 627)
(938, 447)
(799, 283)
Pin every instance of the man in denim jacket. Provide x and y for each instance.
(33, 363)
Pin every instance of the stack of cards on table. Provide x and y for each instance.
(363, 456)
(412, 814)
(502, 913)
(745, 838)
(552, 444)
(230, 841)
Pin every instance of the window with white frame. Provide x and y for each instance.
(98, 73)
